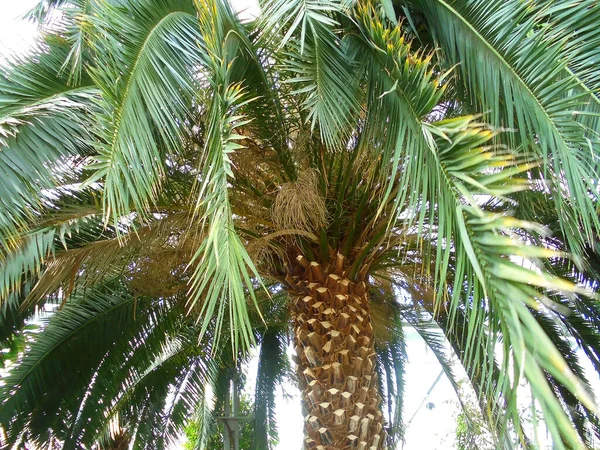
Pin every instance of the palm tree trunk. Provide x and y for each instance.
(334, 344)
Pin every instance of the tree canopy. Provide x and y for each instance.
(187, 186)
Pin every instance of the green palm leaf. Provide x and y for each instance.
(528, 64)
(144, 108)
(41, 128)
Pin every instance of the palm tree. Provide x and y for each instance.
(365, 160)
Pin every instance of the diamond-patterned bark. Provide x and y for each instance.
(336, 359)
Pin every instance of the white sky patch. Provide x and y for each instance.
(247, 9)
(16, 34)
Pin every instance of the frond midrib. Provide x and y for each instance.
(594, 95)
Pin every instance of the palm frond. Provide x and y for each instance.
(320, 63)
(161, 401)
(36, 247)
(507, 47)
(390, 345)
(404, 88)
(575, 21)
(43, 134)
(272, 367)
(71, 20)
(486, 276)
(27, 384)
(223, 268)
(144, 357)
(145, 107)
(584, 420)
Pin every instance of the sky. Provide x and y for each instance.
(15, 35)
(430, 429)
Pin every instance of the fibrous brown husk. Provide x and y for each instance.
(299, 204)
